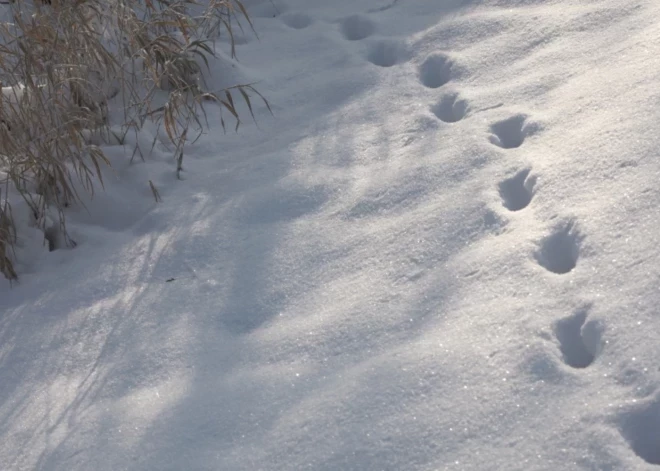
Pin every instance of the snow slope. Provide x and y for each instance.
(441, 253)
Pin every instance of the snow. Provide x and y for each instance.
(440, 253)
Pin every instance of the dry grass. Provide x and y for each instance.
(55, 61)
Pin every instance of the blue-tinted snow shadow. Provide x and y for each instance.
(126, 319)
(127, 334)
(233, 420)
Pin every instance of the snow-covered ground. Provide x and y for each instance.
(440, 253)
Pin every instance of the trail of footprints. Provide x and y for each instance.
(559, 251)
(579, 339)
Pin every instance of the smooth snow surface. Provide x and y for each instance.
(442, 252)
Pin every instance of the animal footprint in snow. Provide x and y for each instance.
(641, 429)
(517, 192)
(511, 132)
(297, 20)
(579, 341)
(436, 70)
(357, 27)
(559, 252)
(387, 52)
(451, 108)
